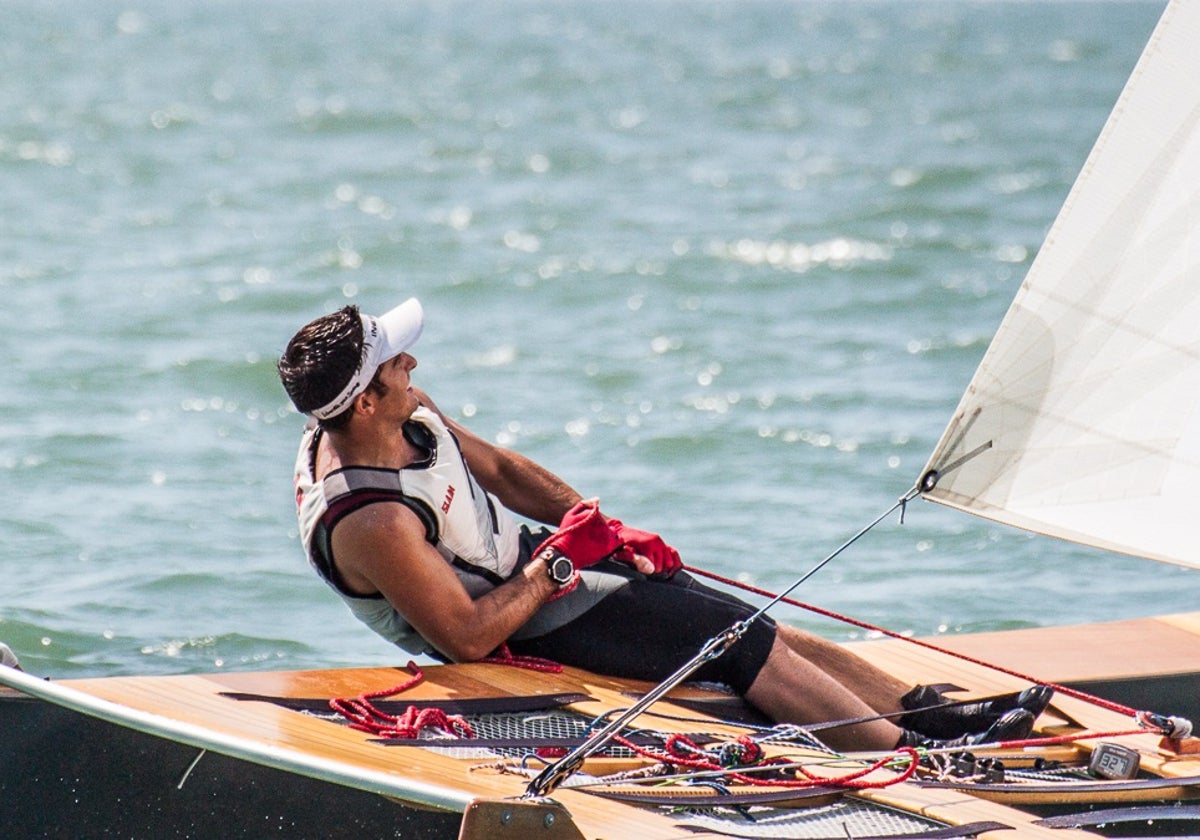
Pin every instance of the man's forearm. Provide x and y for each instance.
(531, 490)
(499, 613)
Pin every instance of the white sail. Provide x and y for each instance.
(1083, 419)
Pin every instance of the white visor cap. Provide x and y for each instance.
(384, 338)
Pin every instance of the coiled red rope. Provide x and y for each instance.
(365, 716)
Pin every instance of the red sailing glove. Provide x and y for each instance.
(651, 546)
(583, 537)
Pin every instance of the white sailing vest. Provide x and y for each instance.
(467, 525)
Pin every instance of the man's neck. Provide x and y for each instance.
(365, 448)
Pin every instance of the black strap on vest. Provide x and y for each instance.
(351, 489)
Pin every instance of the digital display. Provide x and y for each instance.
(1110, 761)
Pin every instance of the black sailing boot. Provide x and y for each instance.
(933, 715)
(1012, 725)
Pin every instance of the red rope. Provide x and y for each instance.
(365, 716)
(853, 780)
(1057, 739)
(504, 656)
(1061, 689)
(677, 748)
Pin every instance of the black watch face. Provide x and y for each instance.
(561, 570)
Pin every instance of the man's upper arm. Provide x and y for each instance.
(382, 547)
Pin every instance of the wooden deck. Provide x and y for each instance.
(1134, 648)
(444, 781)
(321, 749)
(1131, 650)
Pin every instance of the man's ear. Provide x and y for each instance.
(365, 402)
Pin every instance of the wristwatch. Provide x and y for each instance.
(559, 567)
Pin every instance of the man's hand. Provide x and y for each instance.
(583, 535)
(646, 552)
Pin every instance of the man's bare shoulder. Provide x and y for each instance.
(376, 540)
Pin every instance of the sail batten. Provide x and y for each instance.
(1083, 418)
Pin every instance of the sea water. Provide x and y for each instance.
(726, 265)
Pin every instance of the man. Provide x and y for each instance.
(408, 516)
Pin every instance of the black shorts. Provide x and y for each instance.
(647, 629)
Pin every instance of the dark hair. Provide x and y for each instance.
(319, 361)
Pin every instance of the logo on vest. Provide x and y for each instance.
(449, 498)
